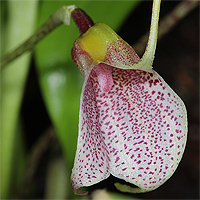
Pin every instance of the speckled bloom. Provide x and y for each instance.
(131, 123)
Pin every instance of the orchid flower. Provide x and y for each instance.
(131, 123)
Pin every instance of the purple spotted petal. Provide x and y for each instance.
(136, 131)
(91, 163)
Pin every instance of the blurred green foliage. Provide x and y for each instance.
(60, 83)
(19, 25)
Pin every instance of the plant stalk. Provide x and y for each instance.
(60, 16)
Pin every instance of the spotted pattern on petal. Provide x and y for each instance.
(136, 131)
(121, 54)
(91, 163)
(143, 124)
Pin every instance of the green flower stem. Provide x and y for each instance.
(147, 59)
(168, 22)
(59, 17)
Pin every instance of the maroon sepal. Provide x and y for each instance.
(82, 20)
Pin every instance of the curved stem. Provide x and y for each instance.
(168, 22)
(60, 16)
(147, 59)
(37, 152)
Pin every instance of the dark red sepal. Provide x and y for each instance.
(82, 20)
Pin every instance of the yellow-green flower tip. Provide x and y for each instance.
(100, 44)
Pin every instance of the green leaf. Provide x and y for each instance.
(20, 25)
(59, 78)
